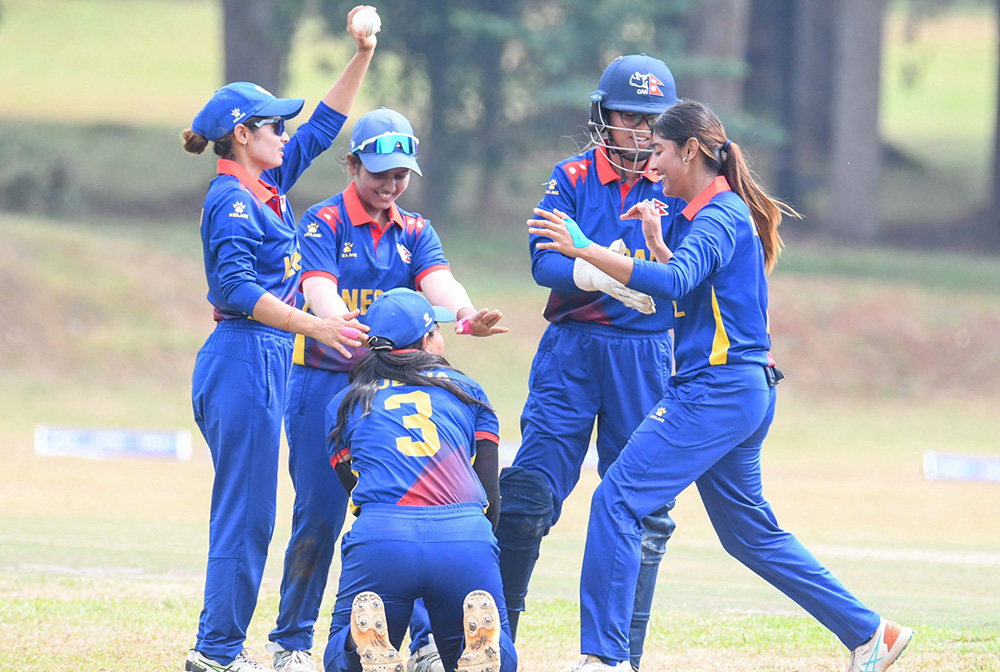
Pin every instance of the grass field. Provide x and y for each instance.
(101, 562)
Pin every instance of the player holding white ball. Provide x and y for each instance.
(367, 21)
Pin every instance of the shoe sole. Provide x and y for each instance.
(482, 634)
(371, 635)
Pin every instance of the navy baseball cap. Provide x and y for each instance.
(235, 103)
(636, 83)
(383, 139)
(400, 317)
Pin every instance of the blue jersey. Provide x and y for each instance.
(588, 189)
(339, 240)
(248, 227)
(716, 279)
(416, 446)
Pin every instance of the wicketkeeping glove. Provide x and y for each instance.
(589, 278)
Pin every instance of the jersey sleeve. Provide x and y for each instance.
(487, 424)
(309, 141)
(427, 254)
(319, 242)
(707, 248)
(549, 268)
(234, 238)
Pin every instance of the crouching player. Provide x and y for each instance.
(415, 442)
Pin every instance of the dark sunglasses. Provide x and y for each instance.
(387, 143)
(279, 124)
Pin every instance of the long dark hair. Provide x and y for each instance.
(406, 366)
(691, 119)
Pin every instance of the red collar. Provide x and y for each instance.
(717, 186)
(606, 170)
(358, 215)
(259, 188)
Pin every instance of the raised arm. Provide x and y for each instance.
(341, 95)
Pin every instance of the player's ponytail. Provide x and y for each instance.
(691, 119)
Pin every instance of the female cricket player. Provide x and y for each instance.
(354, 246)
(415, 443)
(238, 389)
(709, 427)
(606, 354)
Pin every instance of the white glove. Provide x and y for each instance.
(589, 278)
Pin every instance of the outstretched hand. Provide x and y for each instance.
(482, 323)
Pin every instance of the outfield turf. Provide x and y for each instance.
(101, 562)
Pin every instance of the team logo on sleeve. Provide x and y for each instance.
(646, 84)
(312, 231)
(552, 188)
(661, 208)
(238, 210)
(347, 253)
(658, 414)
(404, 253)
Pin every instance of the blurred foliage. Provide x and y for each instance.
(483, 82)
(33, 180)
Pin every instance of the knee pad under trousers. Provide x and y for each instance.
(526, 512)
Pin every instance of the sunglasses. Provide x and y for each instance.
(387, 143)
(635, 119)
(279, 124)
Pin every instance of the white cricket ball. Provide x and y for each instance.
(367, 21)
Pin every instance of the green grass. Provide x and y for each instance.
(102, 561)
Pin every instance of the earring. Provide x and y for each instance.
(245, 146)
(686, 160)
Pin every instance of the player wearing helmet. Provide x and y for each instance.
(607, 352)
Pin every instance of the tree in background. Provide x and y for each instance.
(257, 39)
(502, 78)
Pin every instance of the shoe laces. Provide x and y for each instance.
(293, 660)
(243, 661)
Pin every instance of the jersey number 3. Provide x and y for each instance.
(420, 420)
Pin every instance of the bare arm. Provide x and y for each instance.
(442, 289)
(341, 96)
(322, 296)
(651, 229)
(551, 225)
(273, 312)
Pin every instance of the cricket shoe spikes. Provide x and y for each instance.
(882, 649)
(371, 635)
(482, 634)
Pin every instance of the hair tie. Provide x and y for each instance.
(725, 145)
(380, 343)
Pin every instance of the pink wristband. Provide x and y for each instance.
(463, 326)
(350, 332)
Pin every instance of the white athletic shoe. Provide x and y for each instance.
(425, 659)
(370, 634)
(199, 662)
(482, 634)
(595, 664)
(882, 649)
(291, 661)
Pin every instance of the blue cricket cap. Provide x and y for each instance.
(235, 103)
(636, 83)
(400, 317)
(383, 139)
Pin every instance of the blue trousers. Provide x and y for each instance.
(706, 431)
(402, 553)
(238, 395)
(318, 512)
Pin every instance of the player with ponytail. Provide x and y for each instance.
(709, 427)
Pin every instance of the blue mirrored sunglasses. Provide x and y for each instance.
(279, 124)
(387, 143)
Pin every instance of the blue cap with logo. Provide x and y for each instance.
(383, 139)
(401, 317)
(636, 83)
(235, 103)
